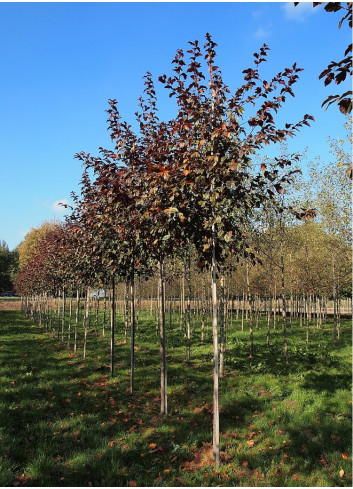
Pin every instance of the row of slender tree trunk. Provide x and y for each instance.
(61, 316)
(53, 312)
(305, 309)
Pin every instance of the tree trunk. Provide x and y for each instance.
(338, 318)
(57, 317)
(275, 308)
(132, 349)
(157, 311)
(104, 312)
(251, 302)
(97, 313)
(46, 310)
(222, 324)
(284, 308)
(85, 323)
(183, 299)
(306, 318)
(112, 329)
(170, 312)
(203, 312)
(162, 347)
(138, 302)
(187, 268)
(151, 303)
(215, 357)
(126, 310)
(70, 320)
(269, 315)
(76, 318)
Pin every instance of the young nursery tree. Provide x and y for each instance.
(215, 191)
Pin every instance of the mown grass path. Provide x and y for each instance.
(64, 423)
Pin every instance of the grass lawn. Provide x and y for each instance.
(63, 422)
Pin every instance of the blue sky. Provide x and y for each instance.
(61, 62)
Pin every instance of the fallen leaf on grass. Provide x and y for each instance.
(322, 462)
(250, 443)
(225, 457)
(132, 484)
(344, 456)
(335, 438)
(21, 480)
(341, 472)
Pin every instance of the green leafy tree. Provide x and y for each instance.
(8, 267)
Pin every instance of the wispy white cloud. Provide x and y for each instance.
(56, 207)
(256, 14)
(262, 33)
(300, 12)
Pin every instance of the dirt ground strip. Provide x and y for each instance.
(10, 304)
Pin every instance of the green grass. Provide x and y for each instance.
(63, 422)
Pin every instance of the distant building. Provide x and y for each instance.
(97, 294)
